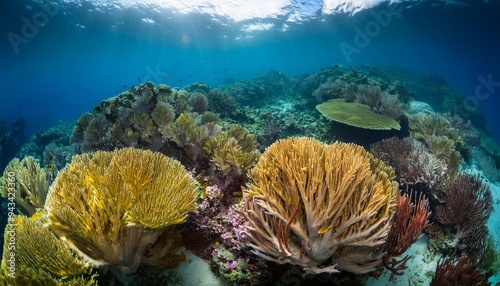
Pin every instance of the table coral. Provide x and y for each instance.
(356, 114)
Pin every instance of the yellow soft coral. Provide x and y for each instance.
(323, 207)
(234, 151)
(28, 181)
(33, 255)
(113, 207)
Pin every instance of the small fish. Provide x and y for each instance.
(139, 79)
(52, 162)
(167, 78)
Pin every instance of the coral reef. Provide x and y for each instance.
(224, 105)
(314, 207)
(237, 270)
(263, 86)
(123, 209)
(225, 227)
(420, 107)
(51, 148)
(323, 207)
(25, 183)
(131, 119)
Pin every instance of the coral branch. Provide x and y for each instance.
(406, 227)
(452, 271)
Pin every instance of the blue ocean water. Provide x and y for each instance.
(59, 59)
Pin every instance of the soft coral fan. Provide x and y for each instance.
(27, 181)
(323, 207)
(113, 208)
(39, 257)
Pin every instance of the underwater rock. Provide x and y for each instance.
(420, 106)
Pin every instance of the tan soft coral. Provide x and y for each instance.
(322, 207)
(113, 207)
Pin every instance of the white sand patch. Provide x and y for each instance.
(419, 271)
(196, 272)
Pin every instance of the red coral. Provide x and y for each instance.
(458, 272)
(468, 204)
(406, 227)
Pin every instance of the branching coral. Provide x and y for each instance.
(458, 271)
(407, 225)
(25, 182)
(33, 255)
(468, 204)
(113, 207)
(323, 207)
(413, 165)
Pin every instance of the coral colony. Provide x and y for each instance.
(332, 175)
